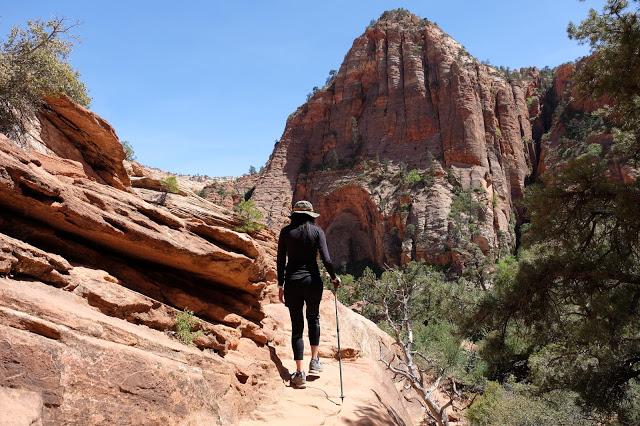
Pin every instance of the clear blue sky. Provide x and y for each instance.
(206, 86)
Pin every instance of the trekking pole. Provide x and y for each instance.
(335, 299)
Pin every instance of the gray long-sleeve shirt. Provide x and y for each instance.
(297, 256)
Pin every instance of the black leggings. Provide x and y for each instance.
(296, 293)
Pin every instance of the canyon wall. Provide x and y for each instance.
(408, 123)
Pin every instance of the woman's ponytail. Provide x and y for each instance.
(304, 222)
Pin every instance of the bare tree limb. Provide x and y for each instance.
(57, 29)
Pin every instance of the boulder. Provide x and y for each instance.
(71, 131)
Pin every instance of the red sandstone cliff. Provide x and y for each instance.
(93, 272)
(407, 97)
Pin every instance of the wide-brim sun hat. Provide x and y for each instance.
(304, 207)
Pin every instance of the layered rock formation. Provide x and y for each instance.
(93, 273)
(68, 130)
(407, 101)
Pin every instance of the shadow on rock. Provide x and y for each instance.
(285, 375)
(376, 414)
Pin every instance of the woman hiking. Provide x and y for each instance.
(299, 282)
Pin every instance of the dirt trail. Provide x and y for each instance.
(371, 397)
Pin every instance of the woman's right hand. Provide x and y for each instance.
(336, 282)
(281, 294)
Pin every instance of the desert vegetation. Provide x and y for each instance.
(186, 325)
(170, 184)
(33, 64)
(129, 152)
(249, 215)
(548, 336)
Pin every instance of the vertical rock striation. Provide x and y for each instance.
(407, 97)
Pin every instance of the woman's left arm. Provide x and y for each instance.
(324, 254)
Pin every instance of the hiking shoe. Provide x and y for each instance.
(315, 366)
(298, 379)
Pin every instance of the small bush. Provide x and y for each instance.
(428, 180)
(185, 327)
(594, 149)
(411, 229)
(170, 184)
(413, 177)
(315, 90)
(347, 286)
(332, 75)
(250, 217)
(129, 154)
(464, 204)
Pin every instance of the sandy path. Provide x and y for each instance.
(319, 403)
(366, 383)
